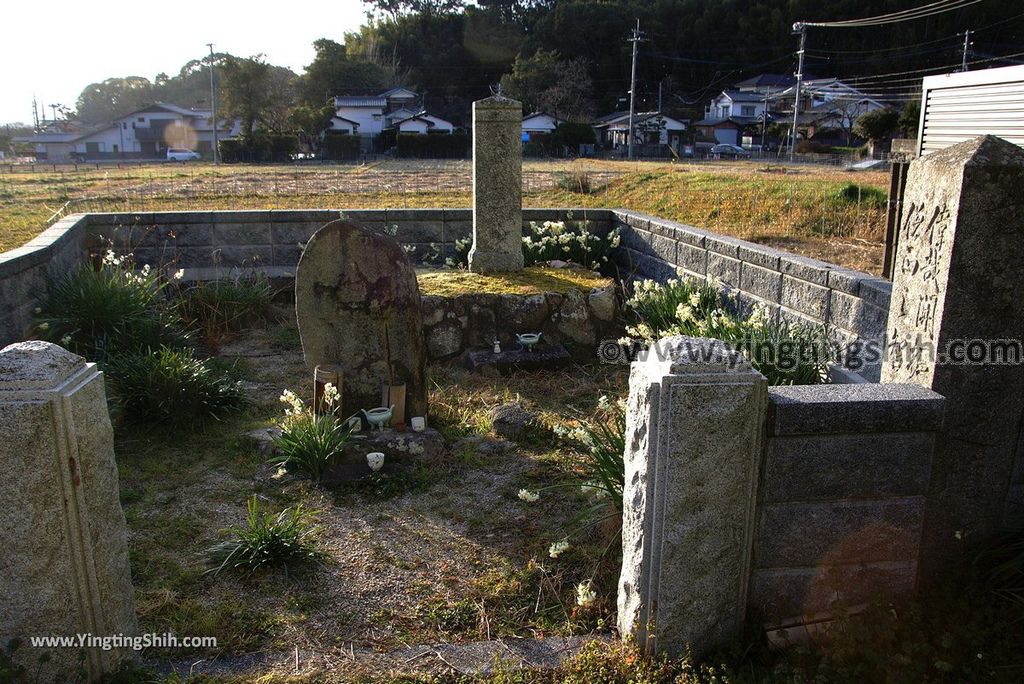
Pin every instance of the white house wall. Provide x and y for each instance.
(370, 119)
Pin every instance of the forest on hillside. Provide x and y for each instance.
(572, 57)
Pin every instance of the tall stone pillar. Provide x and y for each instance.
(497, 186)
(694, 443)
(956, 298)
(65, 559)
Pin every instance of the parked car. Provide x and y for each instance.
(727, 151)
(178, 154)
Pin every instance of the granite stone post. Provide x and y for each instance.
(497, 186)
(694, 443)
(65, 562)
(956, 290)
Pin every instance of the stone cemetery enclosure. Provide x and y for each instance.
(742, 503)
(358, 306)
(65, 562)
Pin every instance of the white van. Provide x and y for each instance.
(179, 154)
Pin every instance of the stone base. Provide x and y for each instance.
(543, 357)
(400, 449)
(496, 262)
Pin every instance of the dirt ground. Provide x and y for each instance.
(445, 553)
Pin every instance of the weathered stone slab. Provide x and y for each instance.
(65, 563)
(957, 279)
(694, 439)
(358, 306)
(497, 186)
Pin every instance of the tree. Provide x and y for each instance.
(333, 73)
(910, 118)
(396, 8)
(255, 92)
(877, 125)
(113, 98)
(310, 122)
(545, 82)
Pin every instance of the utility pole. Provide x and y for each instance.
(967, 47)
(635, 40)
(213, 107)
(801, 28)
(764, 122)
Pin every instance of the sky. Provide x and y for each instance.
(55, 50)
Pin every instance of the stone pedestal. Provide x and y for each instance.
(65, 562)
(497, 186)
(694, 441)
(956, 290)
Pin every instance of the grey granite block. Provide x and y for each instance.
(847, 466)
(805, 297)
(822, 409)
(838, 532)
(766, 284)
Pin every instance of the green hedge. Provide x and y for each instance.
(433, 146)
(338, 146)
(263, 147)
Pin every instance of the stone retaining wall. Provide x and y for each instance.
(841, 503)
(577, 318)
(854, 305)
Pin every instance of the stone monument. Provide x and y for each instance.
(358, 306)
(957, 294)
(694, 438)
(497, 186)
(65, 563)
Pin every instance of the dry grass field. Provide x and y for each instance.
(822, 212)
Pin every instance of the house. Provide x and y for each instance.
(539, 124)
(649, 128)
(766, 84)
(394, 110)
(734, 112)
(423, 123)
(146, 133)
(359, 115)
(828, 108)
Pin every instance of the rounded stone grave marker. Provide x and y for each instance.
(358, 306)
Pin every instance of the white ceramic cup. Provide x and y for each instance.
(375, 460)
(419, 423)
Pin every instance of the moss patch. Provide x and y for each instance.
(532, 280)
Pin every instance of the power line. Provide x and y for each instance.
(896, 17)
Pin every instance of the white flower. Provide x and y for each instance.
(295, 404)
(179, 274)
(44, 326)
(684, 313)
(585, 594)
(603, 403)
(65, 341)
(331, 394)
(695, 298)
(145, 270)
(558, 548)
(281, 472)
(528, 496)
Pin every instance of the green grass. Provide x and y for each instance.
(736, 199)
(531, 280)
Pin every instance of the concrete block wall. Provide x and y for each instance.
(841, 500)
(206, 242)
(25, 273)
(853, 305)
